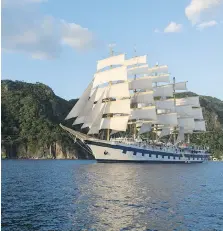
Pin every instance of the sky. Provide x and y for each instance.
(59, 42)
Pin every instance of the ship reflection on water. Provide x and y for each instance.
(137, 197)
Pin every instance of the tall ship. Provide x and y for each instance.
(131, 112)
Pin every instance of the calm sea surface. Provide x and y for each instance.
(84, 195)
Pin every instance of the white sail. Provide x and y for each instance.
(165, 104)
(146, 127)
(113, 60)
(89, 104)
(91, 117)
(143, 97)
(200, 126)
(95, 126)
(158, 69)
(79, 120)
(78, 107)
(136, 60)
(167, 119)
(118, 123)
(144, 113)
(119, 90)
(138, 70)
(187, 123)
(184, 111)
(197, 113)
(114, 74)
(141, 83)
(181, 86)
(119, 106)
(163, 91)
(93, 130)
(86, 110)
(193, 101)
(160, 78)
(164, 132)
(188, 131)
(99, 92)
(180, 136)
(161, 111)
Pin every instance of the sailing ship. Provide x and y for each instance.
(130, 113)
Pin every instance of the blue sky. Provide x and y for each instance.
(59, 42)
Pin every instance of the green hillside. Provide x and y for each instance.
(30, 117)
(31, 114)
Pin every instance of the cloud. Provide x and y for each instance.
(173, 28)
(204, 25)
(194, 10)
(76, 36)
(42, 37)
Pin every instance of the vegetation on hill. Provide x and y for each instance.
(31, 114)
(213, 115)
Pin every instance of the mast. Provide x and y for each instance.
(174, 98)
(156, 126)
(135, 104)
(97, 110)
(110, 84)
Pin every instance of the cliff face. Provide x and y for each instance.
(31, 114)
(54, 151)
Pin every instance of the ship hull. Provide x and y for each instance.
(114, 153)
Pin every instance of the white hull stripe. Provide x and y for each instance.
(135, 150)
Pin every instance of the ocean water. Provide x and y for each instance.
(85, 195)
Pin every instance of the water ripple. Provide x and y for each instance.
(83, 195)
